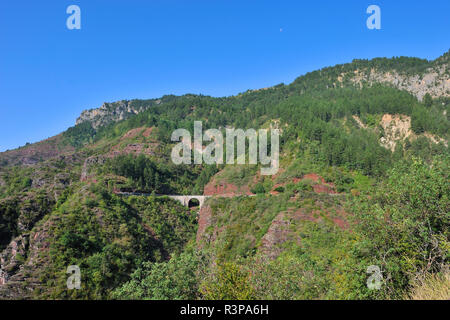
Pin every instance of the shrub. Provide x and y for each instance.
(404, 228)
(228, 282)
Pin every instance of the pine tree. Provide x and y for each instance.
(427, 100)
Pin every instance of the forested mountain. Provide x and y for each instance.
(363, 181)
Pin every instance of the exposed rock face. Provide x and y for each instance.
(359, 122)
(320, 186)
(108, 112)
(277, 234)
(12, 258)
(396, 128)
(324, 188)
(284, 227)
(435, 139)
(204, 221)
(219, 186)
(213, 188)
(88, 163)
(21, 261)
(434, 81)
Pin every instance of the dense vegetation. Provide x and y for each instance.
(403, 229)
(149, 175)
(314, 116)
(109, 237)
(387, 208)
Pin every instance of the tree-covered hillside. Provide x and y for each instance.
(363, 181)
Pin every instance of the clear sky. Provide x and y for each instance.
(145, 49)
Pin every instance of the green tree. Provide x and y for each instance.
(427, 100)
(229, 282)
(405, 225)
(172, 280)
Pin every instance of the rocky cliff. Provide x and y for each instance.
(106, 113)
(435, 80)
(115, 111)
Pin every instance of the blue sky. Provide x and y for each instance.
(145, 49)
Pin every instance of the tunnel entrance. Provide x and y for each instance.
(194, 203)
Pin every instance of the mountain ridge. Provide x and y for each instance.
(364, 71)
(346, 150)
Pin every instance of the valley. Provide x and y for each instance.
(362, 181)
